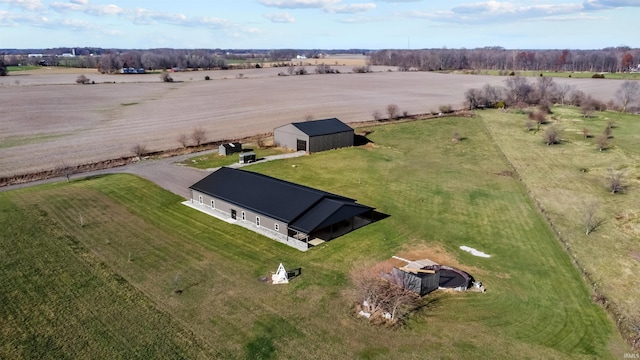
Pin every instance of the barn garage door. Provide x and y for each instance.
(302, 145)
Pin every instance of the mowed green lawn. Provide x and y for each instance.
(439, 195)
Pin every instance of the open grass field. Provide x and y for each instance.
(48, 119)
(439, 195)
(565, 178)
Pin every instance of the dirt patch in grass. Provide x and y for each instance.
(432, 252)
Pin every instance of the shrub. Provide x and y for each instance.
(614, 181)
(166, 77)
(393, 110)
(446, 109)
(83, 80)
(551, 135)
(531, 125)
(362, 69)
(139, 150)
(602, 141)
(207, 77)
(538, 116)
(598, 76)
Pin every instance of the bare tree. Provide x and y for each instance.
(492, 94)
(66, 170)
(83, 80)
(628, 93)
(139, 150)
(518, 90)
(383, 293)
(308, 117)
(587, 107)
(602, 141)
(400, 299)
(608, 131)
(551, 135)
(474, 98)
(183, 140)
(586, 132)
(591, 221)
(198, 135)
(393, 111)
(532, 125)
(539, 117)
(377, 115)
(614, 181)
(456, 136)
(544, 88)
(166, 77)
(562, 91)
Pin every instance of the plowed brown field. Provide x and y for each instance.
(47, 119)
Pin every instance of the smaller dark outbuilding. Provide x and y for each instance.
(230, 148)
(420, 281)
(247, 157)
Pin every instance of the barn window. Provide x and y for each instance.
(244, 216)
(200, 199)
(213, 204)
(276, 226)
(257, 221)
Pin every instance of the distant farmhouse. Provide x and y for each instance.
(292, 214)
(314, 136)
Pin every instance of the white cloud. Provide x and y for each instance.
(350, 8)
(299, 4)
(498, 11)
(101, 10)
(85, 7)
(283, 17)
(606, 4)
(30, 5)
(70, 6)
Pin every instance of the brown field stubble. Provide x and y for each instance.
(48, 119)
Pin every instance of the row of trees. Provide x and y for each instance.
(618, 59)
(112, 61)
(521, 92)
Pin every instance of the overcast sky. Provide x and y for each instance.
(320, 24)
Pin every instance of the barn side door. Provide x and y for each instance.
(301, 145)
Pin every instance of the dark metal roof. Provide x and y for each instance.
(322, 127)
(303, 208)
(233, 146)
(326, 212)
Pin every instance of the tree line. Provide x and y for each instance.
(112, 60)
(612, 59)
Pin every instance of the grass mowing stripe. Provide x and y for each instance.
(61, 302)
